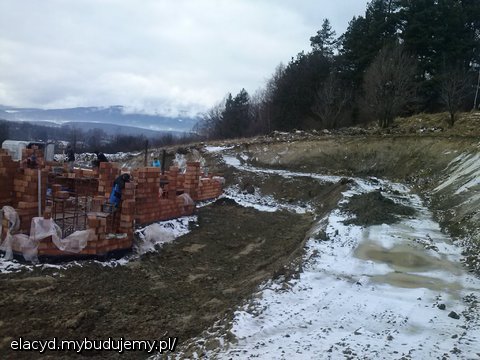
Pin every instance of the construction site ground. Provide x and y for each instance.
(282, 192)
(179, 291)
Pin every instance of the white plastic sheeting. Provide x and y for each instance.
(40, 229)
(187, 200)
(153, 236)
(181, 162)
(219, 179)
(73, 243)
(20, 241)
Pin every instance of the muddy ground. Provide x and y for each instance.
(183, 289)
(202, 277)
(180, 291)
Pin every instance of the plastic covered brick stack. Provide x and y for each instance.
(17, 242)
(41, 232)
(185, 203)
(42, 228)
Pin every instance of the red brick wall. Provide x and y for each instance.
(8, 168)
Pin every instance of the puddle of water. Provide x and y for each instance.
(404, 258)
(412, 281)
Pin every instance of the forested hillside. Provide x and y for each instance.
(400, 58)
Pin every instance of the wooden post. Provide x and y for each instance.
(163, 162)
(145, 163)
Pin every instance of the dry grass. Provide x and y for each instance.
(467, 124)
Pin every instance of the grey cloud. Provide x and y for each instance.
(154, 54)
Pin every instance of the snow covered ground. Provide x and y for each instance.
(378, 292)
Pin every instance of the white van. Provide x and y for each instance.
(14, 148)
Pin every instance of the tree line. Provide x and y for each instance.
(401, 57)
(88, 140)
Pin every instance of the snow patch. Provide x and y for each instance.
(156, 235)
(343, 304)
(215, 149)
(262, 202)
(463, 170)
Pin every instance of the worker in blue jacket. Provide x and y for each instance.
(118, 186)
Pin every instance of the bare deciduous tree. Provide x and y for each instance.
(454, 87)
(389, 84)
(331, 101)
(208, 126)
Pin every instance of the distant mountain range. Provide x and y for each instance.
(113, 119)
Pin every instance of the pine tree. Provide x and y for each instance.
(365, 36)
(324, 42)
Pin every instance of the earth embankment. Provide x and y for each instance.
(444, 170)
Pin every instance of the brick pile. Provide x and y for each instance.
(97, 203)
(8, 169)
(97, 222)
(5, 225)
(47, 247)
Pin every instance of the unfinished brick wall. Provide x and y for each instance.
(196, 184)
(157, 196)
(150, 197)
(127, 211)
(8, 168)
(107, 173)
(39, 156)
(147, 194)
(171, 188)
(26, 190)
(209, 188)
(192, 179)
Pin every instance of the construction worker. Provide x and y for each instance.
(100, 158)
(118, 186)
(156, 162)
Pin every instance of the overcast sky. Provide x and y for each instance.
(152, 55)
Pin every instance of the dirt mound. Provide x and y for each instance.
(374, 209)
